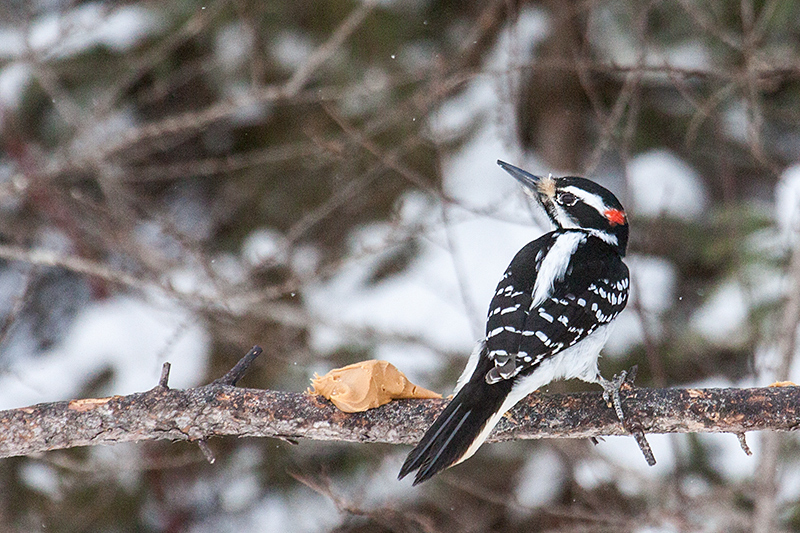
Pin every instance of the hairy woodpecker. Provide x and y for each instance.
(549, 318)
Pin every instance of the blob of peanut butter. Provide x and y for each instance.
(365, 385)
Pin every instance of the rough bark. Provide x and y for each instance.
(221, 409)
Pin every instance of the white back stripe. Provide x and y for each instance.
(554, 265)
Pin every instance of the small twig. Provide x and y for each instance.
(163, 381)
(211, 166)
(19, 302)
(48, 258)
(638, 435)
(631, 376)
(743, 444)
(208, 453)
(328, 48)
(391, 518)
(239, 369)
(633, 426)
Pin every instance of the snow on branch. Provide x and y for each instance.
(221, 409)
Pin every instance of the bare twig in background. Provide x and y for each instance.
(221, 165)
(389, 517)
(75, 264)
(141, 65)
(196, 120)
(18, 302)
(327, 49)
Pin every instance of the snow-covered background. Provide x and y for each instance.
(209, 177)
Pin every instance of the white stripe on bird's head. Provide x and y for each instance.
(588, 198)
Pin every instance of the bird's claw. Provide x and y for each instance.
(611, 392)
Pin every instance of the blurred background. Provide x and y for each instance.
(180, 180)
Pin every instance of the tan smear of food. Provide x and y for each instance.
(365, 385)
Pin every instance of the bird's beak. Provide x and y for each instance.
(539, 187)
(526, 178)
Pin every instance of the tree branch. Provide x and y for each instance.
(220, 409)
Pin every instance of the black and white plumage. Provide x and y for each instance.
(549, 318)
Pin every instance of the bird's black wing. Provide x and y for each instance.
(510, 306)
(593, 291)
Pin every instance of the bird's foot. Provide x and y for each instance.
(611, 392)
(611, 396)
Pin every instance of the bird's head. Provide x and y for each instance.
(573, 202)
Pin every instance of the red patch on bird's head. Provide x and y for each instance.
(615, 216)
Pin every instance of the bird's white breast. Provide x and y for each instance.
(578, 361)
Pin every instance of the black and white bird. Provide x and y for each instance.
(549, 318)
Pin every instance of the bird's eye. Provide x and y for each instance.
(567, 198)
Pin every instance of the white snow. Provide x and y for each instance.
(518, 40)
(423, 301)
(541, 479)
(12, 42)
(485, 94)
(94, 135)
(654, 279)
(593, 472)
(14, 80)
(661, 528)
(304, 260)
(660, 183)
(787, 203)
(626, 333)
(624, 462)
(376, 485)
(240, 492)
(611, 35)
(233, 45)
(131, 337)
(789, 479)
(125, 27)
(291, 49)
(297, 509)
(92, 24)
(416, 361)
(722, 319)
(736, 121)
(247, 111)
(457, 113)
(262, 245)
(726, 456)
(443, 296)
(42, 478)
(653, 282)
(124, 462)
(689, 55)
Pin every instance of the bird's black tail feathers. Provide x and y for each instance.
(459, 425)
